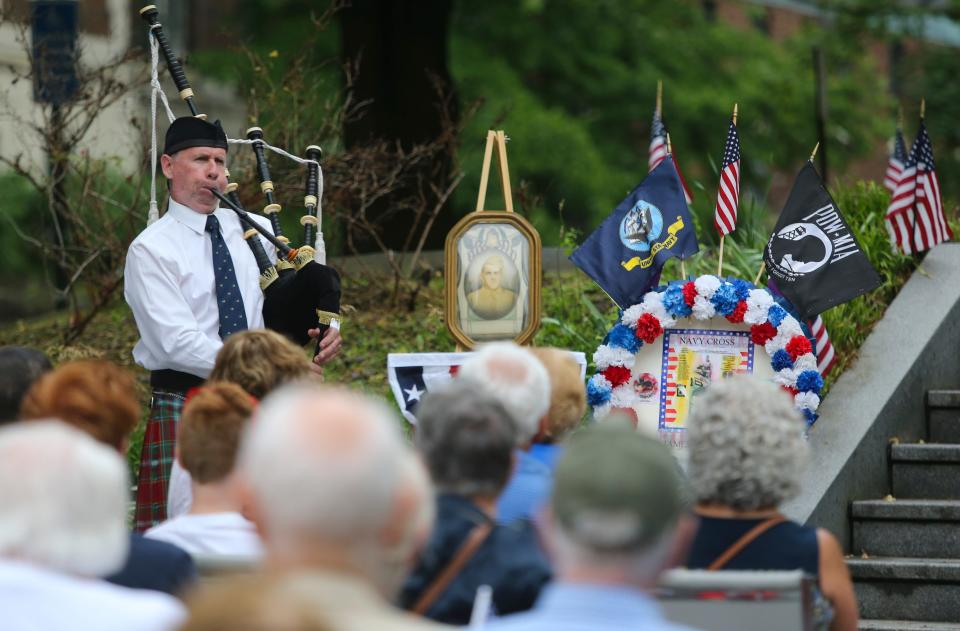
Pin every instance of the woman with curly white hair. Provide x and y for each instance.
(747, 452)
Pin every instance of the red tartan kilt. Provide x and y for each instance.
(156, 459)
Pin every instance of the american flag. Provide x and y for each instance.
(915, 217)
(658, 151)
(728, 193)
(824, 349)
(658, 142)
(896, 163)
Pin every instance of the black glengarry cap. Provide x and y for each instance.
(189, 131)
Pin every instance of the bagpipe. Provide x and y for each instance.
(300, 292)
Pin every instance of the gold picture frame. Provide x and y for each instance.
(492, 268)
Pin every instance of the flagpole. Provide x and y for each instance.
(723, 236)
(913, 210)
(720, 261)
(683, 266)
(763, 265)
(659, 96)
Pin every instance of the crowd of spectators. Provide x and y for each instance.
(505, 509)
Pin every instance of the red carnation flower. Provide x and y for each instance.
(762, 333)
(689, 293)
(738, 312)
(617, 375)
(648, 328)
(798, 345)
(791, 391)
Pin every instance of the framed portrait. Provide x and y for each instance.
(492, 279)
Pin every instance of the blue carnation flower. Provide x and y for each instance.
(776, 314)
(781, 359)
(810, 416)
(725, 299)
(622, 336)
(673, 301)
(597, 395)
(809, 381)
(742, 288)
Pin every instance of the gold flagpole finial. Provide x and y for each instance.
(659, 96)
(735, 113)
(669, 146)
(923, 108)
(814, 154)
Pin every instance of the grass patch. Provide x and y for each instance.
(576, 313)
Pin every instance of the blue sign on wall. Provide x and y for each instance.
(54, 37)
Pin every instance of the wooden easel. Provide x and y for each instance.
(495, 140)
(498, 139)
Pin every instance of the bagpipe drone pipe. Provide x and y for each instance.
(301, 292)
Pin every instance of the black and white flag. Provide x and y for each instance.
(813, 256)
(411, 375)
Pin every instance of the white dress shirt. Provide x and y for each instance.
(169, 285)
(33, 598)
(210, 533)
(179, 491)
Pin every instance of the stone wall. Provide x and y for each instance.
(914, 348)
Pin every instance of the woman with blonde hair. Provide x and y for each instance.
(259, 361)
(532, 479)
(747, 452)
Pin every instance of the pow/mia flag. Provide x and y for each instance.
(812, 256)
(626, 253)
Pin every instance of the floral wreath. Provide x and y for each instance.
(791, 354)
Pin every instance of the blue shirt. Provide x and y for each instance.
(527, 491)
(509, 560)
(548, 453)
(588, 607)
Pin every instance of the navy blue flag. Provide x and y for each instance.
(626, 253)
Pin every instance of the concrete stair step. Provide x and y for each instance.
(906, 528)
(943, 398)
(905, 625)
(926, 471)
(898, 588)
(943, 415)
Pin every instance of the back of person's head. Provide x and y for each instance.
(568, 395)
(212, 424)
(259, 361)
(19, 368)
(745, 443)
(466, 439)
(516, 378)
(63, 499)
(255, 604)
(93, 395)
(328, 468)
(616, 503)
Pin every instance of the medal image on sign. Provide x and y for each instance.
(692, 359)
(671, 372)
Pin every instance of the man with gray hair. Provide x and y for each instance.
(341, 503)
(467, 440)
(516, 378)
(62, 525)
(616, 521)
